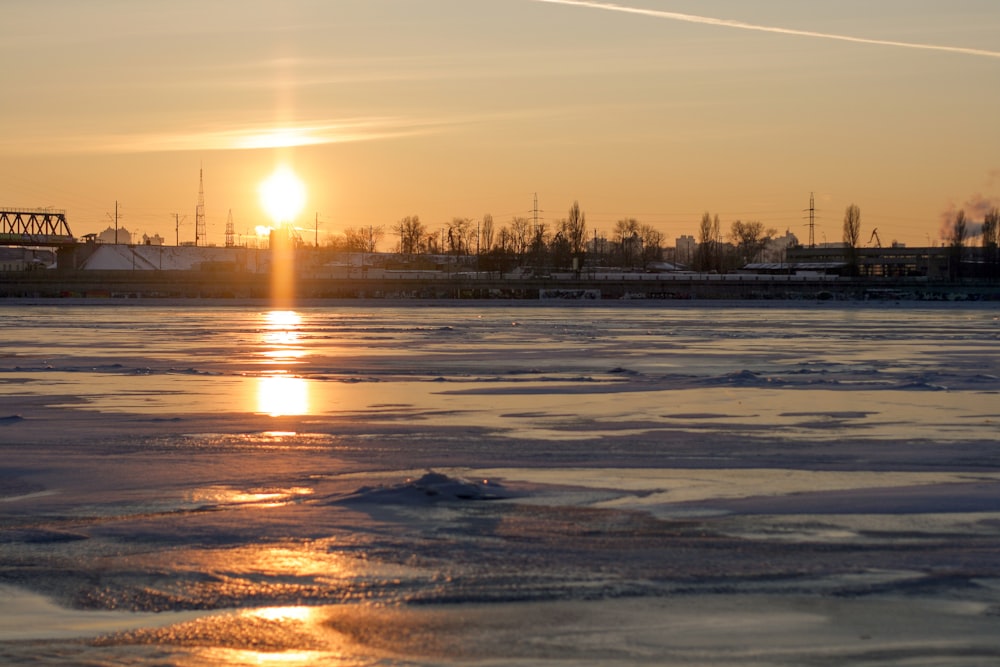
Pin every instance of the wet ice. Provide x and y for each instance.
(783, 483)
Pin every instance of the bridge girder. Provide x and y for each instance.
(45, 227)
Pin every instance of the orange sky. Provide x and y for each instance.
(650, 109)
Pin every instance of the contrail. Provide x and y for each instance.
(727, 23)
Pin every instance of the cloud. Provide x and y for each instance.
(741, 25)
(227, 137)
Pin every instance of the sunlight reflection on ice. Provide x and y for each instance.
(239, 657)
(301, 614)
(282, 395)
(281, 337)
(263, 497)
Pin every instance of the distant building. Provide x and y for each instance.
(152, 257)
(895, 262)
(24, 259)
(777, 247)
(110, 235)
(686, 247)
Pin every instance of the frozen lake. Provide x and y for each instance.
(483, 484)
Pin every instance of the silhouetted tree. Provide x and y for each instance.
(573, 231)
(627, 240)
(460, 232)
(991, 242)
(707, 255)
(652, 244)
(486, 234)
(411, 234)
(540, 246)
(852, 237)
(520, 235)
(959, 235)
(560, 250)
(750, 239)
(363, 239)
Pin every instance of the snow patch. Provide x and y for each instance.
(430, 488)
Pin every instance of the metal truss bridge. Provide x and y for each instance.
(34, 227)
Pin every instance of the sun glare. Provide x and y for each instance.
(282, 396)
(283, 195)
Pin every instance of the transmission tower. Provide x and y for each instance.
(535, 211)
(230, 233)
(199, 213)
(812, 220)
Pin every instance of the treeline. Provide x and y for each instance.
(561, 245)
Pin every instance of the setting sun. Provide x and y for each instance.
(283, 195)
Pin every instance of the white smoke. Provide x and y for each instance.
(975, 209)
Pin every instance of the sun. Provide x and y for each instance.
(283, 195)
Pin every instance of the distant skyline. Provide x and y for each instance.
(645, 109)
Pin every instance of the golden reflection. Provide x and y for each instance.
(300, 614)
(240, 657)
(284, 318)
(281, 338)
(276, 497)
(282, 396)
(283, 196)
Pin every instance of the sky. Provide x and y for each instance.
(647, 109)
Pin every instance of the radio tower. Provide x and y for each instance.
(229, 230)
(199, 213)
(812, 220)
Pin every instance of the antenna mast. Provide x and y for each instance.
(199, 213)
(230, 233)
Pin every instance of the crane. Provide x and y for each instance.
(878, 241)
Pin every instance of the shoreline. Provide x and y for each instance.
(376, 302)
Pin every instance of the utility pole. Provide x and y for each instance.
(115, 219)
(177, 228)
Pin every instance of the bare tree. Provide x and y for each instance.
(575, 230)
(411, 234)
(852, 237)
(363, 239)
(627, 239)
(991, 241)
(486, 234)
(707, 257)
(991, 228)
(750, 239)
(459, 232)
(652, 244)
(852, 226)
(520, 231)
(959, 230)
(959, 235)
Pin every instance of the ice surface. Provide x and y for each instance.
(352, 484)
